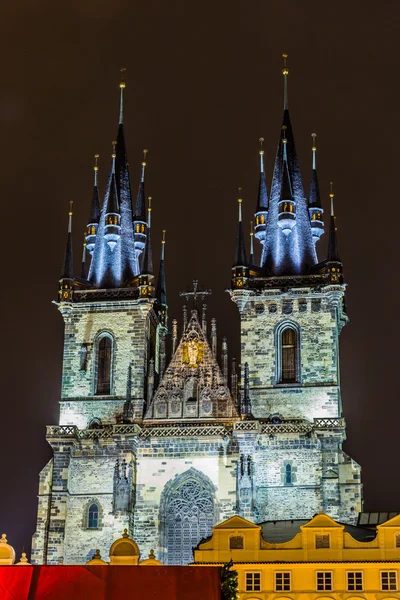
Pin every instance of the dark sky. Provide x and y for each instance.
(203, 84)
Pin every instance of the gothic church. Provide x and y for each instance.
(157, 432)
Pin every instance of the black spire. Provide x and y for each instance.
(333, 247)
(240, 252)
(286, 188)
(68, 266)
(161, 290)
(314, 200)
(262, 199)
(95, 207)
(140, 200)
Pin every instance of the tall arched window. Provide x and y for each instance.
(288, 474)
(104, 353)
(93, 517)
(188, 515)
(289, 356)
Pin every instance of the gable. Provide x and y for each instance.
(321, 521)
(237, 522)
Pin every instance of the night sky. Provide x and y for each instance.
(203, 84)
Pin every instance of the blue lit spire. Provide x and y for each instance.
(314, 202)
(251, 257)
(288, 248)
(83, 267)
(114, 262)
(146, 276)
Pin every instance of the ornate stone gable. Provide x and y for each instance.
(193, 386)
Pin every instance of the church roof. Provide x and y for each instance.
(193, 386)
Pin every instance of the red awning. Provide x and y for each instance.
(108, 583)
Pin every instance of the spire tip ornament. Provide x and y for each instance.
(285, 73)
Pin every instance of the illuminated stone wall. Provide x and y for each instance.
(132, 332)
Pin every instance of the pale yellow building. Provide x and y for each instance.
(322, 561)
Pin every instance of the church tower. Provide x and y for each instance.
(156, 433)
(292, 312)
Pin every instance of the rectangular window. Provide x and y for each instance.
(324, 581)
(236, 542)
(253, 582)
(282, 582)
(398, 540)
(389, 581)
(355, 581)
(322, 541)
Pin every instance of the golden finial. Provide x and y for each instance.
(125, 534)
(163, 236)
(96, 158)
(285, 70)
(114, 144)
(251, 228)
(122, 84)
(163, 244)
(261, 140)
(240, 199)
(70, 208)
(149, 198)
(145, 151)
(84, 239)
(314, 147)
(284, 140)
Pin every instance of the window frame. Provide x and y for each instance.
(288, 483)
(279, 331)
(88, 526)
(322, 535)
(236, 537)
(253, 588)
(355, 573)
(283, 573)
(389, 589)
(324, 573)
(100, 336)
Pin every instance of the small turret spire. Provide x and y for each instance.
(315, 210)
(112, 229)
(147, 267)
(314, 151)
(333, 247)
(68, 267)
(122, 86)
(262, 201)
(94, 217)
(285, 73)
(145, 151)
(251, 243)
(240, 253)
(161, 290)
(83, 270)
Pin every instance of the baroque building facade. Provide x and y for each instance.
(160, 435)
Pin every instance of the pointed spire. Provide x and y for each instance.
(113, 204)
(314, 196)
(83, 270)
(251, 258)
(68, 266)
(95, 207)
(140, 200)
(121, 98)
(262, 200)
(285, 73)
(240, 252)
(161, 285)
(333, 248)
(147, 267)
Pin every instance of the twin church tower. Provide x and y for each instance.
(158, 433)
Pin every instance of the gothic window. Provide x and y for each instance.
(287, 343)
(288, 474)
(189, 510)
(93, 517)
(104, 354)
(288, 355)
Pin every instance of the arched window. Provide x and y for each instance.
(104, 353)
(288, 474)
(188, 515)
(93, 517)
(289, 355)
